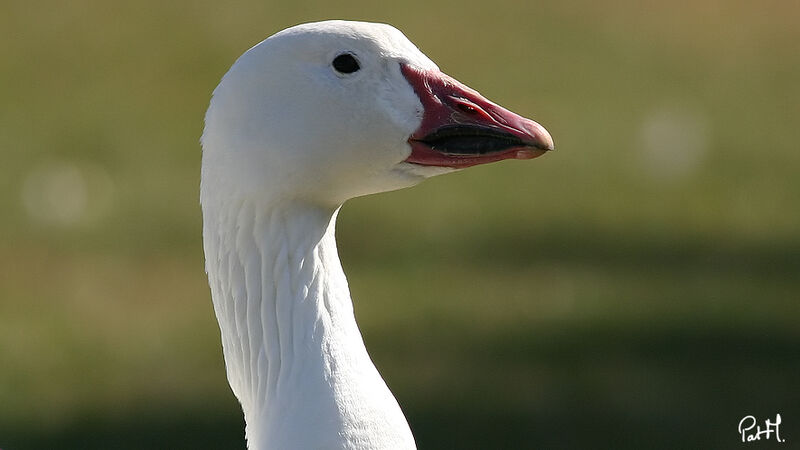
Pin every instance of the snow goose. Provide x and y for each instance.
(310, 117)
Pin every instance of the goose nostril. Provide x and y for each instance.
(466, 108)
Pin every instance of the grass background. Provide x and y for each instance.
(638, 288)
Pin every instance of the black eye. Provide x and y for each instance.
(345, 63)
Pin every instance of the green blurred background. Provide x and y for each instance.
(638, 288)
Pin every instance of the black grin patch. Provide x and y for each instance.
(471, 140)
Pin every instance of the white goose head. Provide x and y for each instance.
(310, 117)
(328, 111)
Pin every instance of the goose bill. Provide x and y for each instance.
(460, 128)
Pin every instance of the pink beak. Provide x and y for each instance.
(460, 128)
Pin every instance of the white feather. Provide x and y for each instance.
(286, 142)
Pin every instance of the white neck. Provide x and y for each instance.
(294, 355)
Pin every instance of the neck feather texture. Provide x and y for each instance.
(294, 355)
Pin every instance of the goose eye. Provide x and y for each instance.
(345, 63)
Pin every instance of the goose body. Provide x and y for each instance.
(305, 120)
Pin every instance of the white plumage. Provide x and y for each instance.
(289, 137)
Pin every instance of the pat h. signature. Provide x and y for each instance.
(751, 431)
